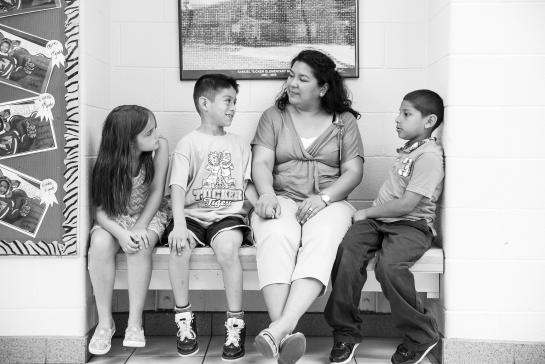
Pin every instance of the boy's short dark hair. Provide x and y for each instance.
(427, 102)
(208, 85)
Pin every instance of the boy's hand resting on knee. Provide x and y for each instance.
(179, 239)
(359, 215)
(128, 244)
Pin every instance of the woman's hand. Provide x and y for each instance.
(359, 215)
(179, 239)
(268, 207)
(309, 207)
(128, 244)
(140, 234)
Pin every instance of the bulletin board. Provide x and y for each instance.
(39, 127)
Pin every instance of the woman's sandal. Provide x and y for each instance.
(292, 348)
(266, 345)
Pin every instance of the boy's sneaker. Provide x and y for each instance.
(235, 336)
(187, 333)
(342, 352)
(101, 342)
(134, 337)
(406, 356)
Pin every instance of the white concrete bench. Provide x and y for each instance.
(205, 273)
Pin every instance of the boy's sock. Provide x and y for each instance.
(185, 308)
(235, 314)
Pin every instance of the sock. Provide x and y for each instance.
(235, 314)
(186, 308)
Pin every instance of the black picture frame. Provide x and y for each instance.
(257, 39)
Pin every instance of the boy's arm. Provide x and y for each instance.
(178, 237)
(157, 190)
(251, 193)
(427, 174)
(123, 236)
(393, 208)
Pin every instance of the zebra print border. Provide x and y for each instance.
(68, 245)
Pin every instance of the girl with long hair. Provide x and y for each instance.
(131, 214)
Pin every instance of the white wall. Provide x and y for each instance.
(494, 203)
(95, 67)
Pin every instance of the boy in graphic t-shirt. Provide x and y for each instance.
(211, 170)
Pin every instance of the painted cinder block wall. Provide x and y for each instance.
(494, 204)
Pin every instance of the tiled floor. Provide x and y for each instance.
(162, 349)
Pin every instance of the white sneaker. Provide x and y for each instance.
(134, 337)
(101, 342)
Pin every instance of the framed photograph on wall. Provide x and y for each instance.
(15, 7)
(257, 39)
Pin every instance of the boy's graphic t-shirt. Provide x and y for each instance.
(213, 171)
(419, 170)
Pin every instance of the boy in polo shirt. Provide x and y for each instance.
(399, 229)
(211, 171)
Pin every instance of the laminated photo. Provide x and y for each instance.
(26, 127)
(16, 7)
(23, 201)
(26, 61)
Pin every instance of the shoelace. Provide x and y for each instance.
(184, 329)
(233, 333)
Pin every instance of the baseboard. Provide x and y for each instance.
(463, 351)
(50, 349)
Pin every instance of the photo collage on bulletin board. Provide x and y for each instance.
(36, 130)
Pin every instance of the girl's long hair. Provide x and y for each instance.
(336, 99)
(112, 176)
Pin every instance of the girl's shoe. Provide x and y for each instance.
(134, 337)
(101, 342)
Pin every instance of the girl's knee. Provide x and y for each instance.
(102, 245)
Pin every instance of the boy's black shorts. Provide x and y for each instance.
(204, 236)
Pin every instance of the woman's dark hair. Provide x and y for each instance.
(324, 70)
(111, 181)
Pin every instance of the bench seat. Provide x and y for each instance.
(205, 273)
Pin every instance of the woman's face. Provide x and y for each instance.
(302, 86)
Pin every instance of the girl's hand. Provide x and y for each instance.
(309, 208)
(140, 234)
(268, 207)
(178, 240)
(359, 215)
(127, 243)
